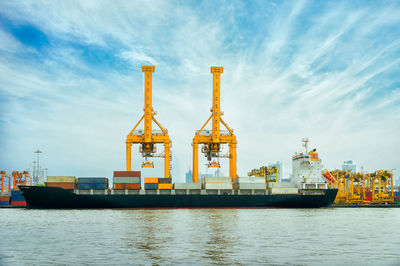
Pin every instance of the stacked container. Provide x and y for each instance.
(249, 183)
(154, 183)
(95, 183)
(281, 188)
(217, 183)
(185, 186)
(5, 198)
(17, 199)
(65, 182)
(126, 180)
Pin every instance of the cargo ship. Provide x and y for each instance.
(308, 189)
(58, 198)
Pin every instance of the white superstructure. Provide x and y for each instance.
(307, 168)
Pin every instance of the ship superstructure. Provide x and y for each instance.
(307, 168)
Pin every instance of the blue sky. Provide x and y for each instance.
(71, 81)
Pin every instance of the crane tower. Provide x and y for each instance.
(148, 138)
(212, 140)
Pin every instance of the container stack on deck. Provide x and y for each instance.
(17, 199)
(154, 183)
(218, 183)
(65, 182)
(248, 183)
(93, 185)
(281, 188)
(126, 180)
(5, 198)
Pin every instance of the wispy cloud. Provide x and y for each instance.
(327, 70)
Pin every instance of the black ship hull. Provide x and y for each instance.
(57, 198)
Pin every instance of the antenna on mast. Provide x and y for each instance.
(305, 143)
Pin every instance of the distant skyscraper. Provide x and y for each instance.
(189, 176)
(279, 166)
(349, 165)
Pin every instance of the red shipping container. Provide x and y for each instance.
(18, 203)
(127, 173)
(4, 199)
(62, 185)
(126, 186)
(397, 198)
(368, 198)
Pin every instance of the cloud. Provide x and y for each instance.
(326, 71)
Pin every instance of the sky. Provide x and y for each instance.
(71, 83)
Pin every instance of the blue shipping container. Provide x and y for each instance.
(93, 180)
(150, 186)
(4, 203)
(16, 193)
(92, 186)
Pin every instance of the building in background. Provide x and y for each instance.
(349, 165)
(189, 176)
(279, 166)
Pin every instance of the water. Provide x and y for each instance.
(331, 236)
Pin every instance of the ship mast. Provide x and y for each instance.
(305, 144)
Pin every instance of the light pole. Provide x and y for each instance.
(38, 152)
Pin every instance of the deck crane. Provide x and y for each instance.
(148, 138)
(213, 139)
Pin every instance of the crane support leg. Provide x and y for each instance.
(166, 160)
(128, 156)
(195, 176)
(232, 160)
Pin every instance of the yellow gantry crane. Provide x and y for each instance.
(213, 140)
(148, 138)
(266, 172)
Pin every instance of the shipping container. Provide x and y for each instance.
(164, 180)
(61, 185)
(18, 203)
(126, 186)
(2, 199)
(92, 180)
(250, 186)
(5, 194)
(187, 186)
(4, 203)
(150, 186)
(16, 195)
(164, 186)
(250, 179)
(151, 180)
(218, 186)
(126, 180)
(100, 191)
(61, 179)
(282, 190)
(209, 179)
(368, 198)
(280, 185)
(92, 186)
(127, 174)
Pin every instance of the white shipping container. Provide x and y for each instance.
(250, 186)
(283, 190)
(187, 186)
(209, 179)
(218, 186)
(280, 185)
(126, 180)
(250, 179)
(61, 179)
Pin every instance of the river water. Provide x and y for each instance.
(328, 236)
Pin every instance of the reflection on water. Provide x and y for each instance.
(204, 236)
